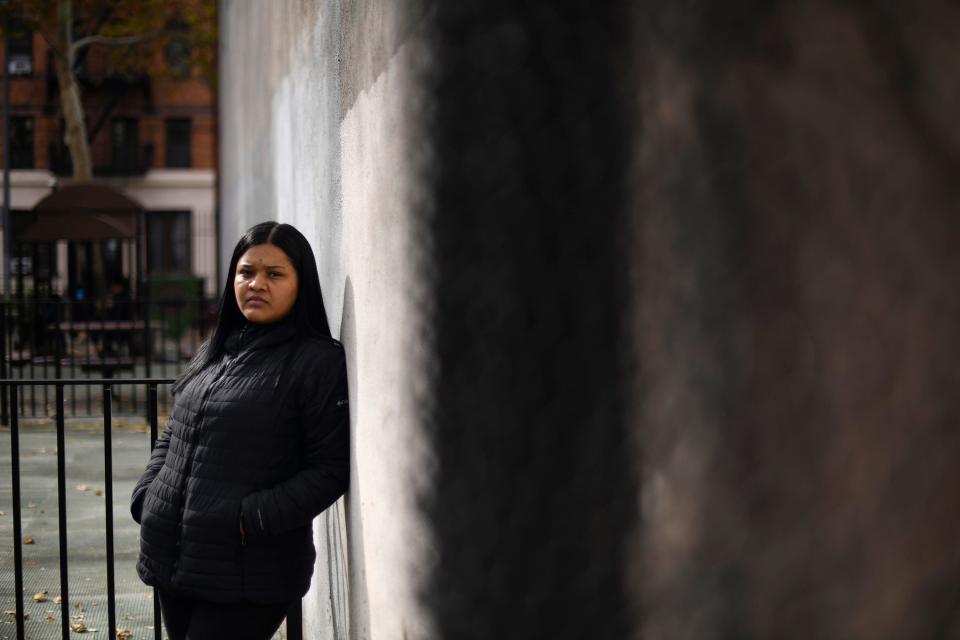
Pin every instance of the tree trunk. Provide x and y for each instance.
(76, 129)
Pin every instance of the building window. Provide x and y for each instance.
(178, 143)
(21, 142)
(125, 142)
(168, 241)
(178, 57)
(21, 51)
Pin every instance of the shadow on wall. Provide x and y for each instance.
(327, 605)
(359, 618)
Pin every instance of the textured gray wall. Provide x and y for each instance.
(322, 128)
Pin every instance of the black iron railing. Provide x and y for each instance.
(56, 338)
(9, 388)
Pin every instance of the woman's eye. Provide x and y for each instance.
(275, 274)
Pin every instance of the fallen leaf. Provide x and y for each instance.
(98, 492)
(9, 613)
(40, 596)
(78, 627)
(3, 513)
(50, 618)
(83, 487)
(31, 505)
(56, 600)
(28, 540)
(123, 634)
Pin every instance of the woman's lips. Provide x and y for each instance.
(256, 302)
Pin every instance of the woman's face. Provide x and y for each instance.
(265, 284)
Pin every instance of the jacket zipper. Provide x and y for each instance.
(241, 557)
(201, 413)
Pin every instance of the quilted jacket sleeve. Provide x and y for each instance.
(325, 472)
(157, 457)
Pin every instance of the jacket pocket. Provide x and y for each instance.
(136, 505)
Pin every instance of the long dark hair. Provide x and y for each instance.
(309, 314)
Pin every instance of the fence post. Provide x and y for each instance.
(108, 499)
(17, 523)
(4, 413)
(147, 346)
(295, 620)
(62, 516)
(59, 338)
(152, 408)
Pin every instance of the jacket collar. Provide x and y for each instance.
(251, 335)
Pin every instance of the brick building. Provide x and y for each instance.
(152, 138)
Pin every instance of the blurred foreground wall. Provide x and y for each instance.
(797, 313)
(650, 308)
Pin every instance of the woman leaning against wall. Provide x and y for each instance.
(257, 445)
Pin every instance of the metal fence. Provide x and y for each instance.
(10, 389)
(57, 338)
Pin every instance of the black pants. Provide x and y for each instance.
(189, 619)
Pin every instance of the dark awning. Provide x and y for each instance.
(83, 212)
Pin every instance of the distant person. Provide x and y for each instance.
(118, 304)
(257, 445)
(118, 309)
(79, 311)
(48, 327)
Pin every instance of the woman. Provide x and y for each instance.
(256, 446)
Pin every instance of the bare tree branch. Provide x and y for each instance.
(50, 41)
(110, 42)
(105, 15)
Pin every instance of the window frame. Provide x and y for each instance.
(123, 162)
(170, 124)
(30, 148)
(164, 265)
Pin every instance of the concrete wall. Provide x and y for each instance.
(321, 129)
(650, 307)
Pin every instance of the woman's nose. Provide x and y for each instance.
(256, 282)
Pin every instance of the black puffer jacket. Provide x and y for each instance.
(262, 435)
